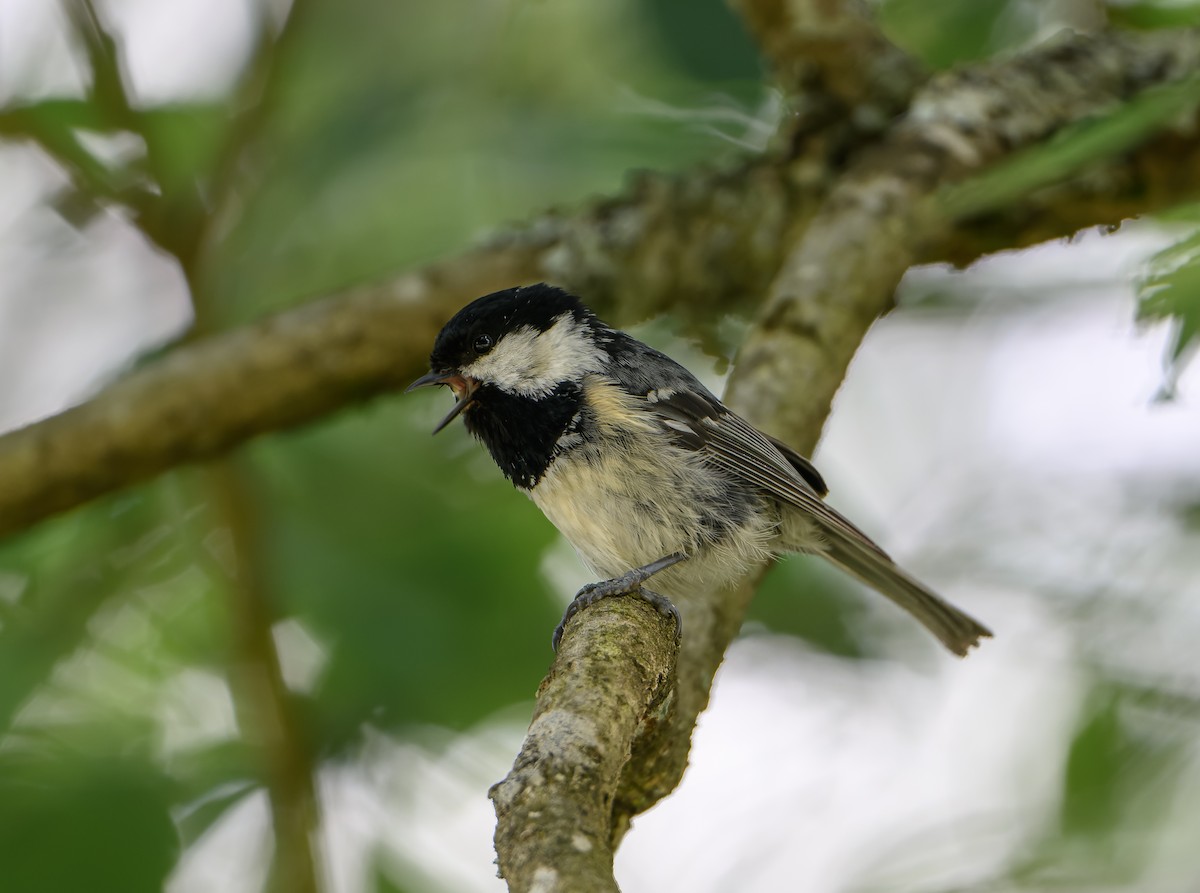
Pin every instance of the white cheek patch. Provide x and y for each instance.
(533, 363)
(508, 363)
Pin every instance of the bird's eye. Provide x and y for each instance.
(483, 343)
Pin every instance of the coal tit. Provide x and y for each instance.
(639, 466)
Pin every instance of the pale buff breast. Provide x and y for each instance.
(626, 496)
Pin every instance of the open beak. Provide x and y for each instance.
(464, 388)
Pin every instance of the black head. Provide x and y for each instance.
(526, 342)
(480, 326)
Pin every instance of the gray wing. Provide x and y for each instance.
(701, 421)
(697, 420)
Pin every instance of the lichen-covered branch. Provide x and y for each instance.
(880, 216)
(612, 679)
(204, 398)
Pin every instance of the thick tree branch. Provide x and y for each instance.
(554, 811)
(1099, 195)
(880, 216)
(205, 398)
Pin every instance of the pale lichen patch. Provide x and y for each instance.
(545, 880)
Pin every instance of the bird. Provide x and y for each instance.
(640, 467)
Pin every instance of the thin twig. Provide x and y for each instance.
(265, 709)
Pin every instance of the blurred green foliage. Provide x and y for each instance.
(1155, 14)
(806, 598)
(370, 136)
(425, 596)
(85, 821)
(944, 34)
(439, 131)
(1170, 291)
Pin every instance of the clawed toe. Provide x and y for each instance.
(626, 584)
(595, 592)
(664, 606)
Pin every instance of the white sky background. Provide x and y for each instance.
(1031, 420)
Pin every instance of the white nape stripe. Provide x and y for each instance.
(533, 363)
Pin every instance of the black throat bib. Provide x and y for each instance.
(521, 432)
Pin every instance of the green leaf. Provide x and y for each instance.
(1091, 797)
(382, 881)
(1151, 15)
(184, 142)
(70, 822)
(1118, 778)
(67, 568)
(1170, 292)
(944, 34)
(210, 780)
(74, 114)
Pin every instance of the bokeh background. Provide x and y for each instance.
(1010, 433)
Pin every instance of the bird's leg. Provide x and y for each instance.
(627, 584)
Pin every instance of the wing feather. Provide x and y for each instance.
(744, 451)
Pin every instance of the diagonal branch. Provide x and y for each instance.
(881, 216)
(838, 278)
(554, 809)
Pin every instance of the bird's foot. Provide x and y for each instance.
(627, 584)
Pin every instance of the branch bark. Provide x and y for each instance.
(554, 810)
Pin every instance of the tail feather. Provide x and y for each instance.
(956, 630)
